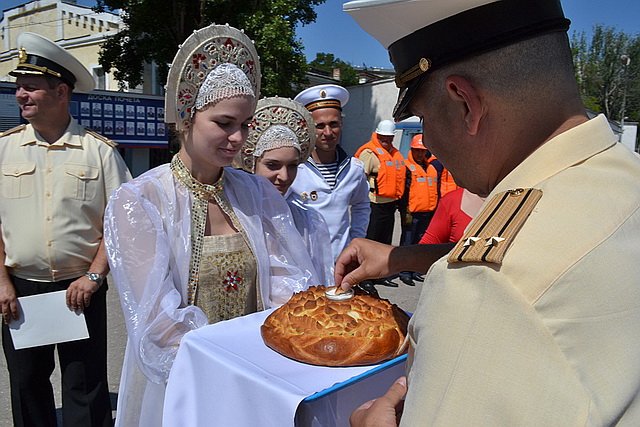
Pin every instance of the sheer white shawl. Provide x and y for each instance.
(148, 239)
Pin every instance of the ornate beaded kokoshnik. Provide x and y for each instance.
(203, 194)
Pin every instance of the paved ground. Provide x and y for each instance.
(117, 339)
(404, 296)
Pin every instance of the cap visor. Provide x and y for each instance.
(401, 110)
(17, 73)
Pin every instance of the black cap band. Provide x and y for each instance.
(471, 32)
(37, 64)
(475, 31)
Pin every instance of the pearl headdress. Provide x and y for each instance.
(277, 136)
(207, 68)
(278, 122)
(223, 82)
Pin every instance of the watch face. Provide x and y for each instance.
(95, 277)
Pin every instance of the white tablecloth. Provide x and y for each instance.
(224, 375)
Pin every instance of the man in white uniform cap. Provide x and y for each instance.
(330, 181)
(56, 179)
(533, 318)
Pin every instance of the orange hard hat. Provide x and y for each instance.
(416, 142)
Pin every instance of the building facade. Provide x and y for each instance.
(76, 28)
(371, 102)
(133, 117)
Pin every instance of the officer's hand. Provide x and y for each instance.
(8, 301)
(363, 259)
(384, 411)
(79, 293)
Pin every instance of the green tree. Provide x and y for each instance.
(607, 67)
(155, 28)
(327, 62)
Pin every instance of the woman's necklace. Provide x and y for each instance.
(204, 193)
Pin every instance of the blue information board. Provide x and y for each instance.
(129, 119)
(126, 119)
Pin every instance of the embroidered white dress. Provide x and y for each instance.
(148, 238)
(227, 285)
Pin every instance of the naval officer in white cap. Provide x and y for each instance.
(330, 181)
(533, 318)
(56, 177)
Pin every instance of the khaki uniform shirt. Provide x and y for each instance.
(52, 200)
(551, 337)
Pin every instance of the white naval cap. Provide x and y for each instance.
(37, 55)
(423, 35)
(323, 96)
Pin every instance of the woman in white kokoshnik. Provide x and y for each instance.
(194, 241)
(282, 136)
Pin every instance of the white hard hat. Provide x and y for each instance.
(386, 127)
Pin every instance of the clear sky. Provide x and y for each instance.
(336, 32)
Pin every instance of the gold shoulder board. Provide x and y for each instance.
(16, 129)
(492, 231)
(102, 138)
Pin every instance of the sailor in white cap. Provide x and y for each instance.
(533, 318)
(330, 181)
(57, 177)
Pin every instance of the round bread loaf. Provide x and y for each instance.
(313, 329)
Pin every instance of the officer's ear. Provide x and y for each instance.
(461, 91)
(63, 90)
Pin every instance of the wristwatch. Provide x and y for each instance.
(95, 277)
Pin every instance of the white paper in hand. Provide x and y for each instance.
(46, 319)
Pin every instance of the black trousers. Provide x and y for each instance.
(83, 365)
(381, 221)
(412, 233)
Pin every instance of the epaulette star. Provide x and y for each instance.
(494, 240)
(471, 241)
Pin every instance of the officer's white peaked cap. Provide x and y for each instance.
(423, 35)
(37, 55)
